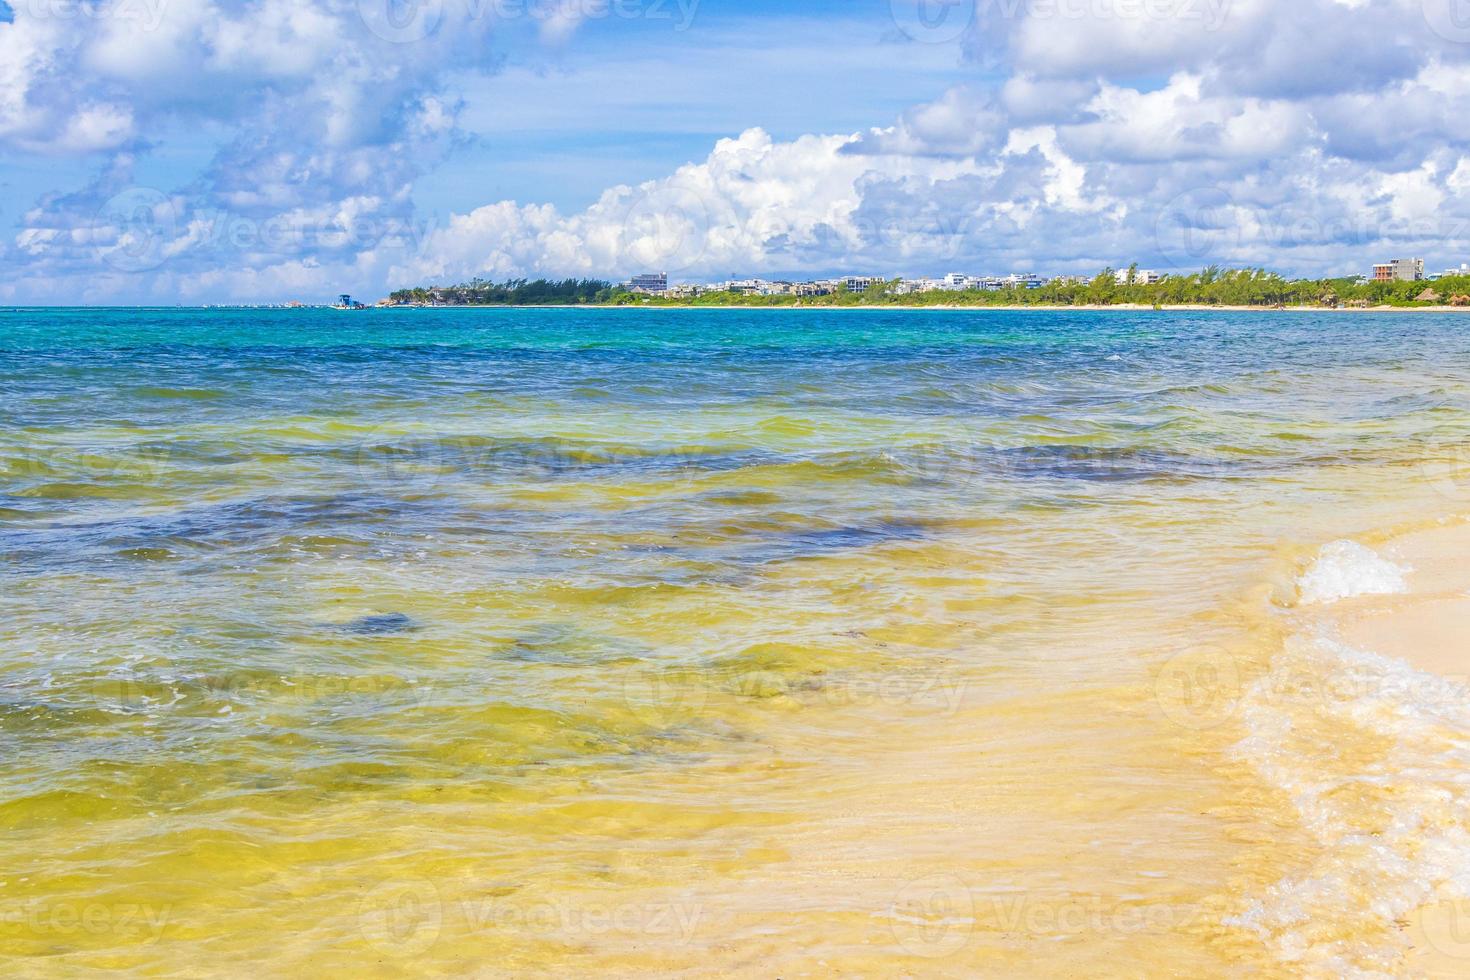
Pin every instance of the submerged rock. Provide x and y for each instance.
(380, 625)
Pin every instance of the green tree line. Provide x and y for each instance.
(1212, 286)
(512, 292)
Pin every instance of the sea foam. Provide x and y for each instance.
(1345, 569)
(1385, 799)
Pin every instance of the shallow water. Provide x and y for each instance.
(480, 642)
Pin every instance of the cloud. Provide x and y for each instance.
(1260, 48)
(755, 204)
(1179, 123)
(323, 115)
(1176, 176)
(1312, 137)
(961, 123)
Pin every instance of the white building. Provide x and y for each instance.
(754, 287)
(1141, 277)
(650, 282)
(1399, 270)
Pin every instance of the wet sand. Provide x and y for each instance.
(1427, 627)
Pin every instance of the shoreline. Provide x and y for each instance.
(1418, 624)
(1008, 308)
(1424, 625)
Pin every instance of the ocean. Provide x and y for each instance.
(768, 643)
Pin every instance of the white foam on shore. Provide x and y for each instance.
(1386, 799)
(1345, 569)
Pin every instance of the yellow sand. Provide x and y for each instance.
(1429, 628)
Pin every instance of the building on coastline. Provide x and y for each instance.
(958, 282)
(775, 287)
(910, 287)
(1463, 270)
(650, 282)
(1399, 270)
(740, 287)
(753, 287)
(658, 285)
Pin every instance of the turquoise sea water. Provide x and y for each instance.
(299, 606)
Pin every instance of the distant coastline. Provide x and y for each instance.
(1129, 289)
(952, 307)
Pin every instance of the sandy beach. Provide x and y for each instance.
(1421, 620)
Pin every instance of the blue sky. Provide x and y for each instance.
(631, 100)
(266, 150)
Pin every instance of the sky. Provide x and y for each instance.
(220, 151)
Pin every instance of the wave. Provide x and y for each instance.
(1345, 569)
(1374, 756)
